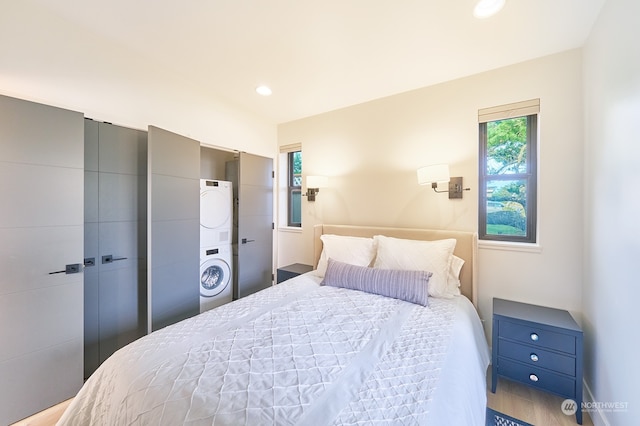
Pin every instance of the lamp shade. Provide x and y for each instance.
(317, 181)
(438, 173)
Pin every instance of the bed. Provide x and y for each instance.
(315, 350)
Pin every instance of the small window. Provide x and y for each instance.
(508, 179)
(295, 189)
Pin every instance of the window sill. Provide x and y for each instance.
(509, 246)
(293, 229)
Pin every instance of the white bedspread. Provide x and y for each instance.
(298, 354)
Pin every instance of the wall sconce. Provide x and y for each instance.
(314, 183)
(439, 173)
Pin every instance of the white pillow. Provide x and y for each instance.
(415, 255)
(352, 250)
(453, 280)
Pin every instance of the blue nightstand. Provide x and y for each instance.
(290, 271)
(539, 347)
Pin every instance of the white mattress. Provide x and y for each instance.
(298, 354)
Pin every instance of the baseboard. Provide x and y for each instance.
(597, 415)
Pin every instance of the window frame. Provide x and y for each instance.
(292, 189)
(530, 177)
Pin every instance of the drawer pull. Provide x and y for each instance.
(534, 357)
(534, 337)
(533, 377)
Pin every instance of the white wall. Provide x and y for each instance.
(52, 61)
(371, 152)
(612, 227)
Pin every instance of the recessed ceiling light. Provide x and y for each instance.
(263, 90)
(487, 8)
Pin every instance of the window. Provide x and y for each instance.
(294, 204)
(508, 172)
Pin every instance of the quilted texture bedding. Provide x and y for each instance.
(298, 354)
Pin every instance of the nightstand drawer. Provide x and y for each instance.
(537, 357)
(538, 337)
(537, 377)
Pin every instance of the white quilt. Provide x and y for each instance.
(298, 354)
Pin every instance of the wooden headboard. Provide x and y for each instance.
(466, 247)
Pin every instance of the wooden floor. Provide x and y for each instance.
(511, 398)
(48, 417)
(530, 405)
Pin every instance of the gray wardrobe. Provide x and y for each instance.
(142, 224)
(99, 243)
(115, 240)
(252, 178)
(141, 227)
(174, 228)
(41, 240)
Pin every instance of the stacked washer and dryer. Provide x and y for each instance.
(216, 221)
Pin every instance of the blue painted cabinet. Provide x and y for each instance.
(291, 271)
(539, 347)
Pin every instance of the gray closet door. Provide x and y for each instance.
(255, 225)
(41, 231)
(115, 239)
(174, 228)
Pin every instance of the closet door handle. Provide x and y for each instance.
(245, 241)
(108, 258)
(72, 268)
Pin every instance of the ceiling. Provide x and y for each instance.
(321, 55)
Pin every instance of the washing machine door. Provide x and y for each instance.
(215, 275)
(215, 207)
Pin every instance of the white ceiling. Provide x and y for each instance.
(320, 55)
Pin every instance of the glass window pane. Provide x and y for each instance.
(297, 162)
(295, 184)
(296, 208)
(295, 168)
(506, 207)
(507, 146)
